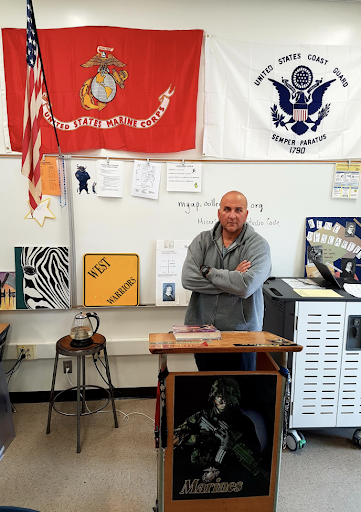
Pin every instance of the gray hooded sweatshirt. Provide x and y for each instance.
(229, 299)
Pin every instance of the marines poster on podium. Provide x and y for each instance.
(223, 436)
(336, 242)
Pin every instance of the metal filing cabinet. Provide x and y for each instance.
(326, 375)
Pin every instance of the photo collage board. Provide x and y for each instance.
(336, 242)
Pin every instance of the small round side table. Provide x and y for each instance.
(64, 348)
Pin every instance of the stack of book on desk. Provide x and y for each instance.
(196, 332)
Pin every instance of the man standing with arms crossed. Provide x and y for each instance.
(225, 268)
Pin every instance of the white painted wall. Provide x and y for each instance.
(283, 21)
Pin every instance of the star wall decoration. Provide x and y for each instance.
(41, 212)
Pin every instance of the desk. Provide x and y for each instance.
(182, 394)
(3, 327)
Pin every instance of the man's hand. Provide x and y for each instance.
(243, 266)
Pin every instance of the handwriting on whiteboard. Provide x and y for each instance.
(188, 206)
(253, 222)
(204, 207)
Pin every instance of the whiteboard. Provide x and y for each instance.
(280, 197)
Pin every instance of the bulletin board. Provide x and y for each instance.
(336, 242)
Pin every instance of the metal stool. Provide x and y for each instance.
(64, 348)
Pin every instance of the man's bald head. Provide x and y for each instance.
(234, 194)
(232, 213)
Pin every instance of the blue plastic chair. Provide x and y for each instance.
(16, 509)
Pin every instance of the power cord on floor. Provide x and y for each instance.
(72, 385)
(125, 415)
(16, 366)
(96, 366)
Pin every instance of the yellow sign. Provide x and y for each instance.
(111, 279)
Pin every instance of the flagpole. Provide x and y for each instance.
(72, 250)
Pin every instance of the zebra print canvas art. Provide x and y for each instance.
(42, 277)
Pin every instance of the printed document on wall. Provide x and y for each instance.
(184, 177)
(110, 178)
(346, 181)
(170, 258)
(146, 179)
(49, 176)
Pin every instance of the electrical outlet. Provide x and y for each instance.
(29, 350)
(68, 365)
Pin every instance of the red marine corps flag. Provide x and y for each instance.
(115, 88)
(31, 141)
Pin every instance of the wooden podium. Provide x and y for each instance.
(209, 458)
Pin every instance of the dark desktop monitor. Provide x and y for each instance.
(336, 282)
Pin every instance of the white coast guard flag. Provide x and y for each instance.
(282, 102)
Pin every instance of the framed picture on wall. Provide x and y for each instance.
(42, 277)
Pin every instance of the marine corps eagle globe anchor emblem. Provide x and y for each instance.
(99, 90)
(300, 101)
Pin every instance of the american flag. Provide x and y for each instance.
(32, 112)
